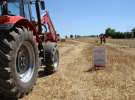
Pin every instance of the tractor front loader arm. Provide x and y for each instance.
(51, 35)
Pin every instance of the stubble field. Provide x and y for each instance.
(75, 81)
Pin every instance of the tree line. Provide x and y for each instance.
(72, 36)
(109, 32)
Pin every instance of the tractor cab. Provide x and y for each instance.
(19, 7)
(16, 8)
(23, 8)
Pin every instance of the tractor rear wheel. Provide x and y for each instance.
(18, 62)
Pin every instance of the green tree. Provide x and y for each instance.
(133, 31)
(66, 37)
(71, 36)
(109, 32)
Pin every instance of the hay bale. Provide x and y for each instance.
(63, 40)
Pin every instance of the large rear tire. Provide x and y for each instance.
(18, 62)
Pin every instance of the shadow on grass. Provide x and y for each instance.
(2, 97)
(93, 69)
(44, 73)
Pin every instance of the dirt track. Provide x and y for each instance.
(73, 81)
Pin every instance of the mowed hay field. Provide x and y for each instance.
(74, 81)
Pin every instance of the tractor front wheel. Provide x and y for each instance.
(51, 57)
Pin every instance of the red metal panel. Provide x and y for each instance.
(19, 21)
(51, 36)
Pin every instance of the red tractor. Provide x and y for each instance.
(25, 44)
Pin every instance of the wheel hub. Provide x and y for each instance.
(22, 60)
(25, 62)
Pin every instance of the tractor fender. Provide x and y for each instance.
(25, 23)
(17, 21)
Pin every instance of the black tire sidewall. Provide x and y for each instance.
(56, 54)
(24, 36)
(51, 49)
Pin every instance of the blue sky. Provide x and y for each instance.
(86, 17)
